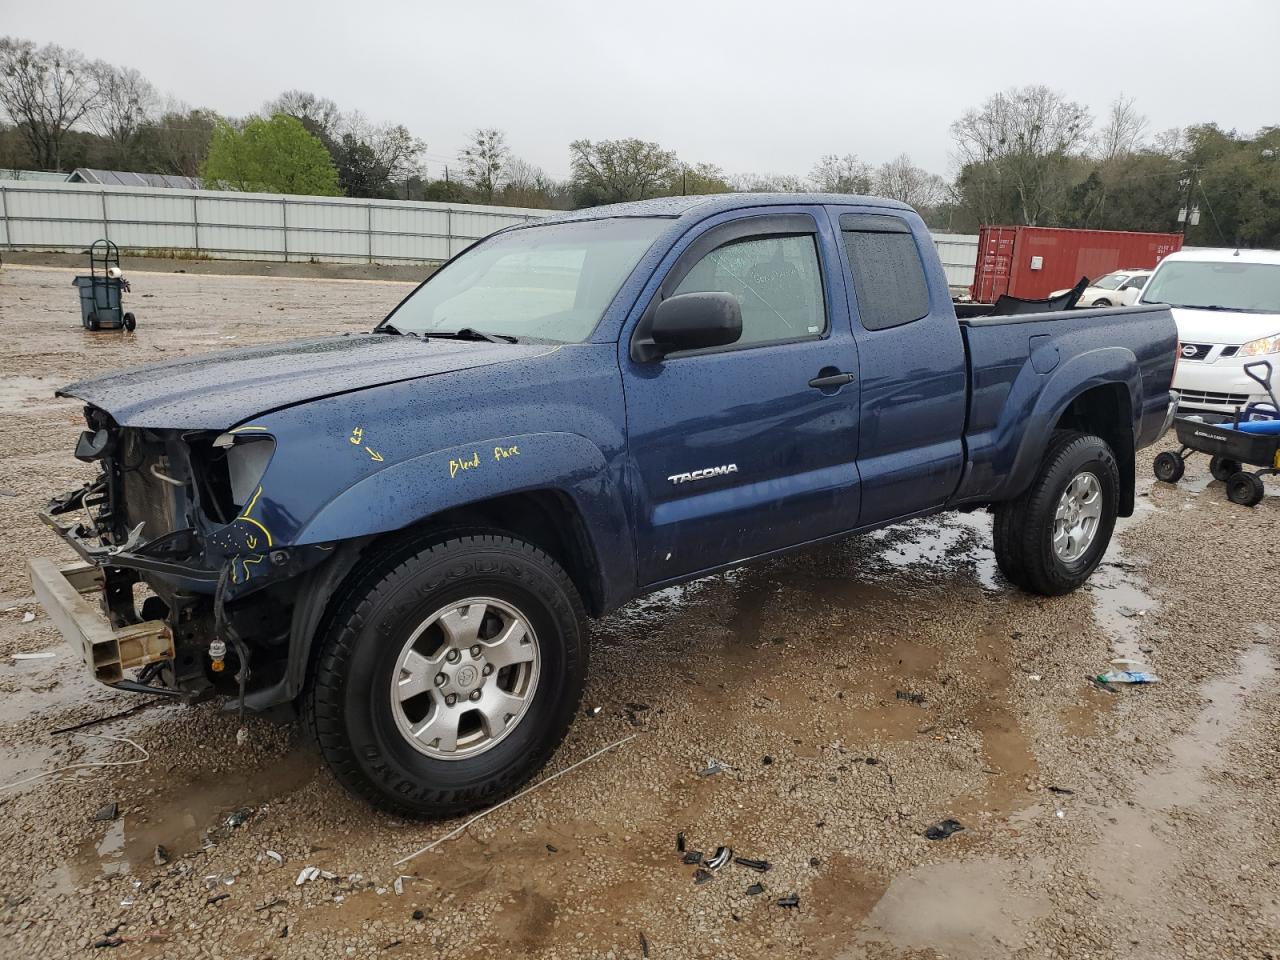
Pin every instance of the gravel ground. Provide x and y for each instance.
(851, 696)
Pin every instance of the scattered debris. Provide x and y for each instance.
(242, 736)
(722, 856)
(790, 902)
(910, 697)
(28, 617)
(1063, 791)
(593, 711)
(815, 862)
(712, 768)
(278, 858)
(398, 886)
(108, 811)
(644, 945)
(680, 842)
(943, 829)
(1059, 813)
(267, 906)
(1124, 670)
(239, 818)
(313, 873)
(755, 890)
(761, 866)
(418, 914)
(702, 876)
(766, 760)
(217, 897)
(49, 655)
(552, 848)
(1101, 684)
(1035, 677)
(693, 856)
(161, 856)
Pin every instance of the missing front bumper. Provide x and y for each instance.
(107, 651)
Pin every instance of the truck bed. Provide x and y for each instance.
(1022, 367)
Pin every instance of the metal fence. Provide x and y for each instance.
(262, 226)
(243, 226)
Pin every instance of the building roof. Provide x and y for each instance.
(39, 176)
(127, 178)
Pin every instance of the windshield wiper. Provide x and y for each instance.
(393, 329)
(470, 333)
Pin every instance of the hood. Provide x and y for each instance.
(215, 391)
(1224, 326)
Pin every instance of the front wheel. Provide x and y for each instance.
(1052, 537)
(446, 681)
(1102, 302)
(130, 322)
(1169, 467)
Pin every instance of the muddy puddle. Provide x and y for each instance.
(183, 817)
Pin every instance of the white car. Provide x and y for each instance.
(1120, 288)
(1227, 307)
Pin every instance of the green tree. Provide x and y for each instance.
(614, 171)
(270, 156)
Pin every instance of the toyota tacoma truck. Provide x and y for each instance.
(401, 534)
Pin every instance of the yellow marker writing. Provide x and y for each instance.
(374, 455)
(504, 453)
(357, 436)
(456, 466)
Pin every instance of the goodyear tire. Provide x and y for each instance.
(1052, 537)
(448, 677)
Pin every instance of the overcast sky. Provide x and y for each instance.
(750, 85)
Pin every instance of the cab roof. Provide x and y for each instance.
(1225, 255)
(697, 207)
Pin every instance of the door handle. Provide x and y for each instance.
(831, 380)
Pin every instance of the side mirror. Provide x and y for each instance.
(694, 321)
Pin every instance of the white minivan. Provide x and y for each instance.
(1227, 307)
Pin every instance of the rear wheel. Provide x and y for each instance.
(1223, 469)
(1245, 489)
(130, 321)
(1052, 537)
(446, 681)
(1169, 467)
(92, 322)
(1102, 302)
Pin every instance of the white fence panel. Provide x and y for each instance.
(252, 226)
(226, 224)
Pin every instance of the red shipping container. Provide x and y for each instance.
(1032, 262)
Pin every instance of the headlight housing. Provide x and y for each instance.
(1260, 347)
(247, 457)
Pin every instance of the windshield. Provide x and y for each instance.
(1222, 285)
(1109, 282)
(548, 282)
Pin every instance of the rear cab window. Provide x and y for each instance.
(889, 282)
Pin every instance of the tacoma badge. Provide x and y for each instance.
(705, 474)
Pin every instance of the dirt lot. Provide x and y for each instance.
(854, 695)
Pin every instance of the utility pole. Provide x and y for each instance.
(1187, 206)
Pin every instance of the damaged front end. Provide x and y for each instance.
(197, 593)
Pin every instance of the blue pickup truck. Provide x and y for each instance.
(401, 534)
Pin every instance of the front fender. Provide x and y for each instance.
(423, 486)
(1004, 459)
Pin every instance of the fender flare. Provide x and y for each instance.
(1107, 366)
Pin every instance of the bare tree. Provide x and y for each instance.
(483, 160)
(1023, 138)
(394, 148)
(45, 92)
(319, 115)
(126, 101)
(900, 179)
(1123, 132)
(769, 183)
(847, 174)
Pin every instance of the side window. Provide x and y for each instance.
(888, 275)
(777, 281)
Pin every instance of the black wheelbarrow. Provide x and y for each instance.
(1252, 439)
(102, 291)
